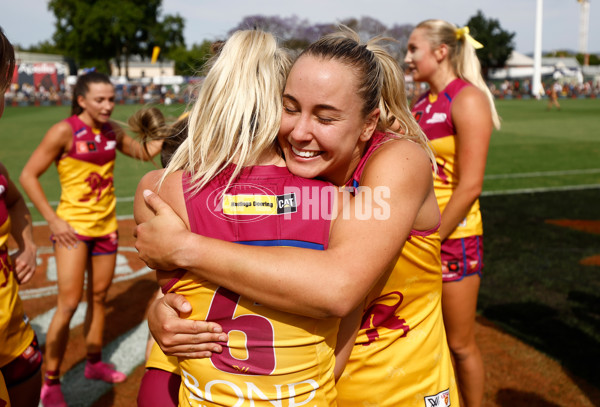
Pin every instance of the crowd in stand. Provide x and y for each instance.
(131, 93)
(138, 93)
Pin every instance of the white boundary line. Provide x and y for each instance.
(536, 190)
(541, 174)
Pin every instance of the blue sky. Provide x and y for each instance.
(27, 22)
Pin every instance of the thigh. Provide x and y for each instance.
(70, 269)
(101, 271)
(459, 306)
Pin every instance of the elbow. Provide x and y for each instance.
(341, 303)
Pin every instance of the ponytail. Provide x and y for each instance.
(461, 55)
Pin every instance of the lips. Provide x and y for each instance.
(305, 153)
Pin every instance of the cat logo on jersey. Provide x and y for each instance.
(259, 204)
(83, 147)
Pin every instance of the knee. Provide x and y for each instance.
(67, 307)
(99, 296)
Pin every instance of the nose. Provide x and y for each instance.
(302, 130)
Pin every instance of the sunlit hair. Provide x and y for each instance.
(237, 114)
(380, 81)
(7, 62)
(82, 87)
(461, 55)
(149, 124)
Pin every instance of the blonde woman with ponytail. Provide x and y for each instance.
(457, 114)
(228, 181)
(345, 120)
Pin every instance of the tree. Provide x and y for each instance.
(96, 31)
(190, 62)
(498, 44)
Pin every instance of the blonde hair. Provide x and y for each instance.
(237, 114)
(380, 81)
(461, 55)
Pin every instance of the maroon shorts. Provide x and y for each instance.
(462, 258)
(159, 388)
(97, 246)
(24, 366)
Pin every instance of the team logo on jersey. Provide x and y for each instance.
(442, 399)
(97, 185)
(81, 132)
(84, 147)
(418, 115)
(437, 118)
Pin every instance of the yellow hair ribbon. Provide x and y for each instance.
(464, 33)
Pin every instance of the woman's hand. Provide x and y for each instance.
(182, 337)
(160, 240)
(25, 263)
(62, 233)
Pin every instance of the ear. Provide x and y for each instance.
(81, 101)
(370, 125)
(441, 52)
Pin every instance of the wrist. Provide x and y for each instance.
(188, 254)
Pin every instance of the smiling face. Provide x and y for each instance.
(97, 104)
(420, 59)
(323, 130)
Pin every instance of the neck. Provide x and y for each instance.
(441, 79)
(84, 117)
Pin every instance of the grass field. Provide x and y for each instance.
(542, 278)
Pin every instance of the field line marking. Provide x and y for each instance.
(55, 203)
(541, 174)
(537, 190)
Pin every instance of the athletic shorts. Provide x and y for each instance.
(159, 388)
(24, 366)
(462, 258)
(98, 246)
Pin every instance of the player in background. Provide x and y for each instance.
(84, 225)
(457, 114)
(20, 355)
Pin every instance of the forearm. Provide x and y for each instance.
(21, 226)
(313, 283)
(34, 191)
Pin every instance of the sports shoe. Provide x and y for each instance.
(51, 396)
(103, 371)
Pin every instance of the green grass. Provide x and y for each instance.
(533, 139)
(22, 129)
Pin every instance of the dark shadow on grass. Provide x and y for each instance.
(515, 398)
(541, 326)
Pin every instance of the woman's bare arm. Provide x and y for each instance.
(55, 143)
(472, 119)
(307, 282)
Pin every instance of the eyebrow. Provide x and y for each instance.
(319, 107)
